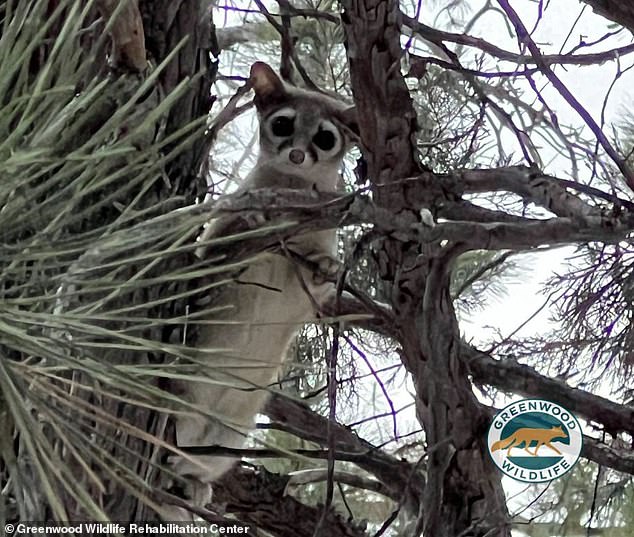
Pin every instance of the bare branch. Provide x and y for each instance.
(525, 39)
(317, 475)
(615, 10)
(312, 211)
(608, 456)
(439, 37)
(298, 419)
(259, 498)
(513, 377)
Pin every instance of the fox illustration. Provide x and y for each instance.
(527, 436)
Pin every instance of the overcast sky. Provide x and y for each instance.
(589, 84)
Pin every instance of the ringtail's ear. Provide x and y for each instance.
(349, 119)
(268, 87)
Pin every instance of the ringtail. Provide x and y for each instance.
(303, 136)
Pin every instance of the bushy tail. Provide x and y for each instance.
(503, 444)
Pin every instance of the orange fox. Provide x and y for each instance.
(526, 436)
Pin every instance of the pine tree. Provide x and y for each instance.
(116, 122)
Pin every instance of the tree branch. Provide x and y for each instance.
(511, 376)
(317, 475)
(294, 417)
(311, 211)
(259, 498)
(439, 37)
(615, 10)
(608, 456)
(524, 38)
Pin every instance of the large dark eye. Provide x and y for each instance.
(324, 140)
(282, 126)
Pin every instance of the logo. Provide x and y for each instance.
(535, 440)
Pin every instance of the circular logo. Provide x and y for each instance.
(534, 440)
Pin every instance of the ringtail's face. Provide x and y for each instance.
(302, 133)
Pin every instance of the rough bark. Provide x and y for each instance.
(619, 11)
(403, 480)
(463, 494)
(128, 39)
(165, 25)
(259, 498)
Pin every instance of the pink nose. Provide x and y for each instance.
(296, 156)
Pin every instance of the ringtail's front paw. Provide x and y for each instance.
(195, 493)
(327, 269)
(254, 220)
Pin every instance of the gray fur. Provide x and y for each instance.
(274, 297)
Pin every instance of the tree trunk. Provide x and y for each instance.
(165, 24)
(463, 494)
